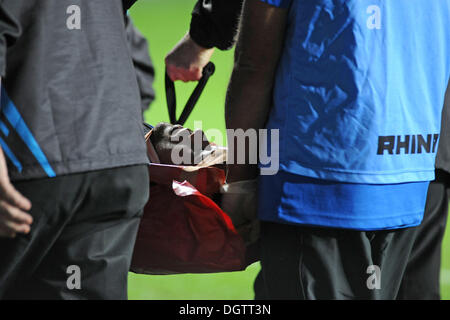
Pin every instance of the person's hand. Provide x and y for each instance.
(13, 206)
(239, 202)
(187, 59)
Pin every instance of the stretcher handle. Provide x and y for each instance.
(171, 98)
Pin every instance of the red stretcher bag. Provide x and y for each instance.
(183, 230)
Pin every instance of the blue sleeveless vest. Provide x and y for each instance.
(360, 88)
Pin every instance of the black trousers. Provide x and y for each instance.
(310, 263)
(421, 278)
(300, 262)
(82, 237)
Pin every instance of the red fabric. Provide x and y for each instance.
(183, 230)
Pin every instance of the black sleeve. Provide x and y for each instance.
(145, 72)
(127, 4)
(9, 31)
(215, 23)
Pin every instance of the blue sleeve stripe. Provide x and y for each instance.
(4, 128)
(278, 3)
(15, 119)
(11, 155)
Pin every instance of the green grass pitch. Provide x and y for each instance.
(164, 22)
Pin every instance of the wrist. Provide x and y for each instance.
(239, 172)
(197, 40)
(200, 50)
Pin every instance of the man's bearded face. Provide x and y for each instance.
(173, 144)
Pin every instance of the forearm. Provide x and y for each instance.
(215, 23)
(249, 97)
(247, 107)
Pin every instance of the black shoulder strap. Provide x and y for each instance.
(208, 71)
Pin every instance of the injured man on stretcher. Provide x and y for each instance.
(175, 145)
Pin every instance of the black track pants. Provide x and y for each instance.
(422, 275)
(327, 264)
(84, 229)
